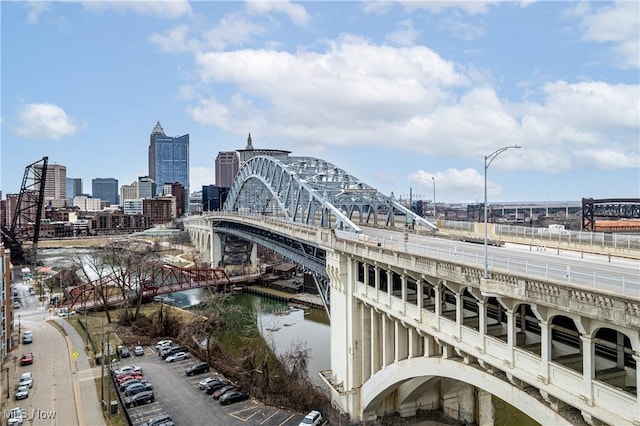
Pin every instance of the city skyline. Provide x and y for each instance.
(405, 96)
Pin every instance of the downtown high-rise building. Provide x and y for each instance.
(146, 187)
(226, 165)
(129, 192)
(55, 185)
(74, 188)
(105, 189)
(169, 160)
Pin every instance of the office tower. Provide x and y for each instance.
(213, 197)
(169, 160)
(106, 189)
(74, 187)
(227, 164)
(146, 187)
(129, 192)
(177, 190)
(55, 185)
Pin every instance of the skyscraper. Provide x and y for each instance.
(146, 187)
(106, 189)
(169, 160)
(74, 188)
(227, 164)
(55, 185)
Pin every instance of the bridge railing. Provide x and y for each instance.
(625, 285)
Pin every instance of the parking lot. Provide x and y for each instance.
(180, 397)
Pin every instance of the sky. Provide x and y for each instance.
(409, 97)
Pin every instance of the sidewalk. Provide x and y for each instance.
(86, 396)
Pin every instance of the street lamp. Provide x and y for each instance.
(434, 196)
(488, 159)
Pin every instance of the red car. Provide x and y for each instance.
(26, 359)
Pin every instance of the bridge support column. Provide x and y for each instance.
(485, 408)
(215, 249)
(588, 368)
(636, 358)
(415, 343)
(366, 349)
(388, 340)
(376, 341)
(545, 351)
(401, 343)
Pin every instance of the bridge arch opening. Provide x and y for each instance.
(614, 363)
(431, 383)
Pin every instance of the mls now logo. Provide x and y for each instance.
(24, 414)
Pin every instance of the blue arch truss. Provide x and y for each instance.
(311, 191)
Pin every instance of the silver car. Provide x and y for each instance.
(22, 392)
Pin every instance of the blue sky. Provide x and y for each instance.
(396, 93)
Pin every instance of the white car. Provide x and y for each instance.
(312, 419)
(163, 344)
(15, 417)
(133, 369)
(26, 379)
(178, 356)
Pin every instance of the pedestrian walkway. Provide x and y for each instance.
(84, 388)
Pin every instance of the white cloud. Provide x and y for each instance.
(461, 28)
(296, 12)
(410, 99)
(405, 35)
(465, 183)
(35, 9)
(473, 7)
(175, 40)
(44, 121)
(200, 176)
(232, 30)
(619, 25)
(162, 8)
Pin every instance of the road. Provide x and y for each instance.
(609, 274)
(51, 400)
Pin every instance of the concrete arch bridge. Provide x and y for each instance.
(415, 326)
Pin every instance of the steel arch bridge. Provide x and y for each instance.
(311, 191)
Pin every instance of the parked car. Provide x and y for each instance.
(164, 344)
(202, 384)
(217, 394)
(22, 392)
(16, 304)
(212, 387)
(232, 397)
(32, 292)
(140, 398)
(197, 368)
(27, 337)
(161, 420)
(131, 369)
(123, 352)
(15, 417)
(137, 388)
(173, 350)
(180, 356)
(26, 359)
(126, 383)
(312, 419)
(138, 351)
(121, 378)
(26, 379)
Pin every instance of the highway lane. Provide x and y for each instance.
(613, 275)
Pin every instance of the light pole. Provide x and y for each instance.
(435, 214)
(487, 162)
